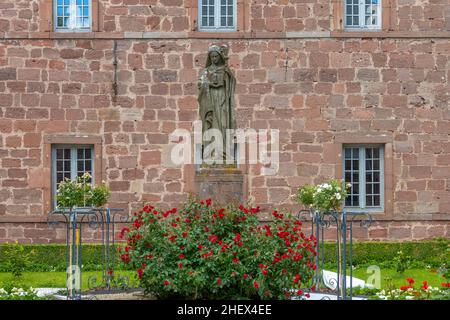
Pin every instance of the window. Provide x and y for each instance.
(362, 14)
(217, 15)
(363, 168)
(72, 15)
(70, 162)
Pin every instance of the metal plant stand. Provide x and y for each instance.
(343, 221)
(75, 218)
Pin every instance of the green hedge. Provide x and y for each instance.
(52, 257)
(433, 253)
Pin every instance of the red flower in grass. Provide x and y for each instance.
(180, 265)
(184, 234)
(256, 285)
(445, 284)
(236, 260)
(208, 202)
(410, 280)
(181, 256)
(166, 283)
(425, 285)
(219, 282)
(299, 292)
(245, 276)
(265, 272)
(403, 288)
(139, 271)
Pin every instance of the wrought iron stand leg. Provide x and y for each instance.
(344, 255)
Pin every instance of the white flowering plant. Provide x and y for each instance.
(328, 196)
(11, 292)
(81, 193)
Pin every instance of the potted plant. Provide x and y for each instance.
(327, 198)
(81, 194)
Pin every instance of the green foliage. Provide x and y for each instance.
(202, 252)
(327, 196)
(100, 195)
(16, 258)
(80, 193)
(401, 262)
(305, 195)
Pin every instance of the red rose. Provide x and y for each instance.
(166, 283)
(245, 276)
(255, 284)
(299, 292)
(181, 256)
(208, 202)
(219, 282)
(265, 272)
(410, 280)
(139, 271)
(307, 295)
(184, 234)
(236, 260)
(180, 265)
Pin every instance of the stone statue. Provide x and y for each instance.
(216, 95)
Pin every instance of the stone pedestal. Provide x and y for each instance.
(222, 185)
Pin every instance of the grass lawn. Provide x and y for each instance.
(57, 279)
(390, 277)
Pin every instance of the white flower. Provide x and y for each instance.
(338, 196)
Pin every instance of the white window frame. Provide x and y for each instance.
(73, 164)
(72, 23)
(362, 19)
(362, 177)
(216, 27)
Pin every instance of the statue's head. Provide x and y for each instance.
(216, 55)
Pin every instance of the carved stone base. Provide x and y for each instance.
(222, 185)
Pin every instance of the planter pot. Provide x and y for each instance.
(83, 209)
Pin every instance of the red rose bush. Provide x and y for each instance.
(205, 252)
